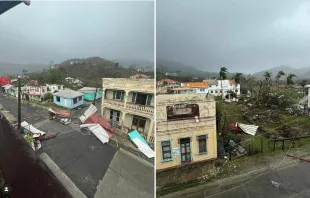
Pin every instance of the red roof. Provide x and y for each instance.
(139, 75)
(33, 83)
(95, 118)
(65, 114)
(5, 80)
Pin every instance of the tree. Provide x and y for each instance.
(303, 83)
(279, 75)
(223, 76)
(223, 73)
(267, 76)
(47, 96)
(289, 79)
(237, 77)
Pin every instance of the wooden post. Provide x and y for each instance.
(274, 145)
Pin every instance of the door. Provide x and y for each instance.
(185, 144)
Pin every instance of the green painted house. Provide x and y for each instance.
(90, 92)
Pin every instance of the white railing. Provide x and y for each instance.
(142, 108)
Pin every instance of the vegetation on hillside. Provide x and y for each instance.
(90, 71)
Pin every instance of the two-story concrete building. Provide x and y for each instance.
(35, 91)
(129, 104)
(185, 130)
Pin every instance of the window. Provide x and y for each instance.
(75, 100)
(141, 98)
(236, 90)
(166, 151)
(202, 89)
(215, 91)
(114, 115)
(57, 98)
(118, 95)
(59, 87)
(138, 123)
(202, 144)
(80, 98)
(149, 100)
(48, 89)
(211, 91)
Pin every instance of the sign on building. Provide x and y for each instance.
(175, 151)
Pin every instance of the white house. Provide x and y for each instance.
(35, 91)
(213, 87)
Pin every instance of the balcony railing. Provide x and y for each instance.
(142, 108)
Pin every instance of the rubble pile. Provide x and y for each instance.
(269, 116)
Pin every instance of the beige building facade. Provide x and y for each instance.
(185, 130)
(128, 104)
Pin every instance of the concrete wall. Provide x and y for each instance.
(67, 102)
(174, 130)
(173, 138)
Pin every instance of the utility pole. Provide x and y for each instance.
(19, 103)
(94, 102)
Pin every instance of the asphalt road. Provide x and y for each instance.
(294, 182)
(82, 157)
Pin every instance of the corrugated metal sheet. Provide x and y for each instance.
(249, 129)
(141, 143)
(36, 132)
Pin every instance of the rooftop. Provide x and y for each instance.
(67, 93)
(197, 84)
(88, 90)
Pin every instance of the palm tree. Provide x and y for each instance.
(267, 76)
(279, 75)
(223, 73)
(237, 77)
(223, 76)
(303, 83)
(289, 79)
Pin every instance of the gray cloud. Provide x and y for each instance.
(244, 35)
(56, 30)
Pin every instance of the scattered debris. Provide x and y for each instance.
(36, 132)
(141, 144)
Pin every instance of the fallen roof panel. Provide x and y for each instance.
(36, 132)
(141, 143)
(249, 129)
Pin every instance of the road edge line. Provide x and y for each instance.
(62, 177)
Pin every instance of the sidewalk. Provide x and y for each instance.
(121, 140)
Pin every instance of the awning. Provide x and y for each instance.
(36, 132)
(141, 144)
(64, 114)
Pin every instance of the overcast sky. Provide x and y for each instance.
(243, 35)
(56, 30)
